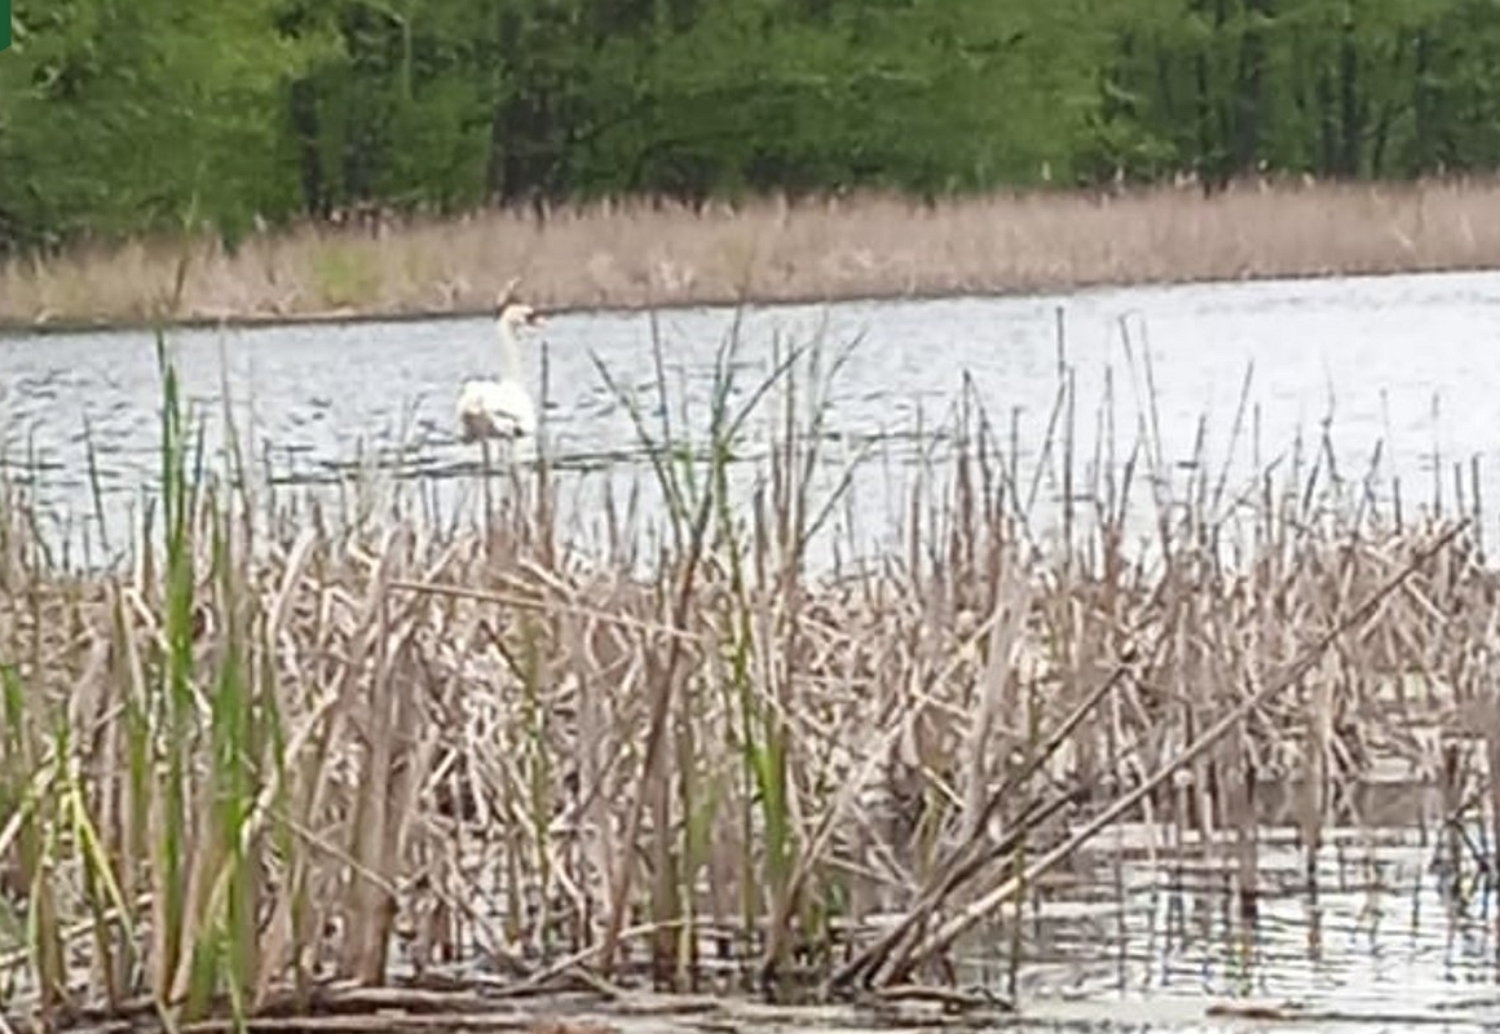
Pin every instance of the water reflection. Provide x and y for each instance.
(1158, 935)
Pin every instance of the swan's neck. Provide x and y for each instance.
(510, 353)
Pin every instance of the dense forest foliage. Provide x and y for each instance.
(123, 116)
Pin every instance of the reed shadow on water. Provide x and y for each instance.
(301, 760)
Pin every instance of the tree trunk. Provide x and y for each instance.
(1351, 117)
(303, 113)
(1250, 91)
(1422, 106)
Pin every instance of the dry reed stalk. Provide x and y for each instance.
(948, 932)
(641, 254)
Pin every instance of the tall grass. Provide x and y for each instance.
(272, 766)
(641, 253)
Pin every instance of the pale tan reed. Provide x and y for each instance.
(640, 253)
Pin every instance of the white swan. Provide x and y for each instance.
(503, 408)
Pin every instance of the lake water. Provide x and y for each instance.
(1403, 360)
(1149, 946)
(1407, 361)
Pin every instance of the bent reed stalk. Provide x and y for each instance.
(271, 761)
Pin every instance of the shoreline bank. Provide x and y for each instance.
(636, 256)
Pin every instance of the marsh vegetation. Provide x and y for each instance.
(638, 254)
(283, 759)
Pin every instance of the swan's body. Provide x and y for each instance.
(495, 409)
(501, 408)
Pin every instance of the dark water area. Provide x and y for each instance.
(1142, 934)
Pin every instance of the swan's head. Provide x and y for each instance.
(517, 315)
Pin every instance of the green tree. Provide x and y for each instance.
(119, 117)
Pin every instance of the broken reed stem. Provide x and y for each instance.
(897, 968)
(967, 860)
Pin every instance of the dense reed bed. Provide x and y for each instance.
(640, 253)
(275, 765)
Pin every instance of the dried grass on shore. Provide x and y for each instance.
(638, 254)
(243, 767)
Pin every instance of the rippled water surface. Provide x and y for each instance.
(1374, 936)
(1410, 361)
